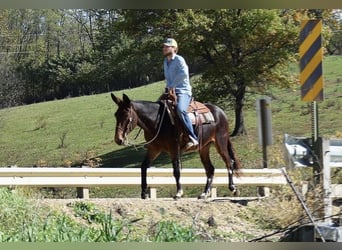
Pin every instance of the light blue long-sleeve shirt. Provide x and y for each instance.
(177, 75)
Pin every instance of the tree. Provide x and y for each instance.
(245, 50)
(335, 42)
(11, 87)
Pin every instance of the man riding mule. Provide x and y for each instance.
(161, 133)
(161, 136)
(176, 73)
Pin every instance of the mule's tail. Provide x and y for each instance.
(236, 166)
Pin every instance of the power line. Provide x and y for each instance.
(22, 52)
(62, 32)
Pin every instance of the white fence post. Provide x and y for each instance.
(83, 192)
(327, 199)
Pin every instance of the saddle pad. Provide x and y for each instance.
(204, 117)
(197, 107)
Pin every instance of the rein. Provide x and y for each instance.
(150, 141)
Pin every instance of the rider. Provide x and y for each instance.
(176, 73)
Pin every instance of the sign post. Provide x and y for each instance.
(264, 117)
(311, 80)
(263, 107)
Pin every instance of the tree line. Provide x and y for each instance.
(50, 54)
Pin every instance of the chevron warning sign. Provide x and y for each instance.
(311, 55)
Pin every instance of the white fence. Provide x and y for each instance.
(332, 158)
(156, 177)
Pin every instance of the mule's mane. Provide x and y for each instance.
(146, 102)
(147, 111)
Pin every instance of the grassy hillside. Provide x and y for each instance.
(58, 132)
(65, 132)
(68, 131)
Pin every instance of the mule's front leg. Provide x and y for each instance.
(176, 163)
(151, 154)
(144, 166)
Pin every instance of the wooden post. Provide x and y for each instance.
(153, 193)
(83, 193)
(316, 146)
(317, 172)
(327, 181)
(213, 193)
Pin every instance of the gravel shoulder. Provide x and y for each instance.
(226, 219)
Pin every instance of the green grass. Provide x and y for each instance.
(61, 131)
(24, 221)
(66, 132)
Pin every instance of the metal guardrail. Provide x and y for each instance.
(298, 151)
(156, 177)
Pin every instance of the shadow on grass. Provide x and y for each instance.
(129, 157)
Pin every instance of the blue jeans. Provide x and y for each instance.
(183, 102)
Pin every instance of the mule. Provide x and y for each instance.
(161, 135)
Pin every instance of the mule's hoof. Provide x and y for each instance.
(143, 196)
(202, 196)
(236, 192)
(177, 197)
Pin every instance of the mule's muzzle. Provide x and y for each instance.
(119, 141)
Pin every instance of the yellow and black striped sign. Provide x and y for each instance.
(311, 56)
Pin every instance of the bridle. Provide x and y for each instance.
(129, 127)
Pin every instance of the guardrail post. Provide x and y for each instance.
(326, 181)
(264, 191)
(213, 193)
(153, 193)
(83, 193)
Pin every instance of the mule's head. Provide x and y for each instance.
(126, 119)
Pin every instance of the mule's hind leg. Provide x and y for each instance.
(209, 171)
(176, 163)
(222, 148)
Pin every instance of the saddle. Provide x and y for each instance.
(197, 111)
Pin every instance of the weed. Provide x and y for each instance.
(87, 211)
(40, 123)
(169, 231)
(305, 110)
(62, 139)
(338, 134)
(114, 231)
(101, 122)
(42, 163)
(329, 104)
(21, 222)
(2, 122)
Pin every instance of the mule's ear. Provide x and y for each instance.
(116, 99)
(126, 99)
